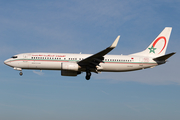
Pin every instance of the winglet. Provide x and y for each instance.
(115, 42)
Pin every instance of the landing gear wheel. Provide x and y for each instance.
(20, 73)
(88, 75)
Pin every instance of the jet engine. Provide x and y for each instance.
(69, 66)
(69, 69)
(69, 73)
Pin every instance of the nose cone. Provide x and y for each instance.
(6, 62)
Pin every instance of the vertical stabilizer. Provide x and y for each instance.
(158, 46)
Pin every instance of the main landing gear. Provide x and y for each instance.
(21, 73)
(88, 74)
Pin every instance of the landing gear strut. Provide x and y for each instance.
(88, 74)
(20, 73)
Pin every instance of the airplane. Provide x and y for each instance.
(75, 64)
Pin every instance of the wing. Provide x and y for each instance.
(94, 60)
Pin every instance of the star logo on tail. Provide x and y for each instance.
(152, 49)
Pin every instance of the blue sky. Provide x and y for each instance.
(75, 26)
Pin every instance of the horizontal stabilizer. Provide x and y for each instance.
(164, 57)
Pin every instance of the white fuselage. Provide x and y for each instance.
(53, 61)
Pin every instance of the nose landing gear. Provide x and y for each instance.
(21, 73)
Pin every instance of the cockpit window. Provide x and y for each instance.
(14, 57)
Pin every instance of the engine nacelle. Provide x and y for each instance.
(69, 66)
(69, 73)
